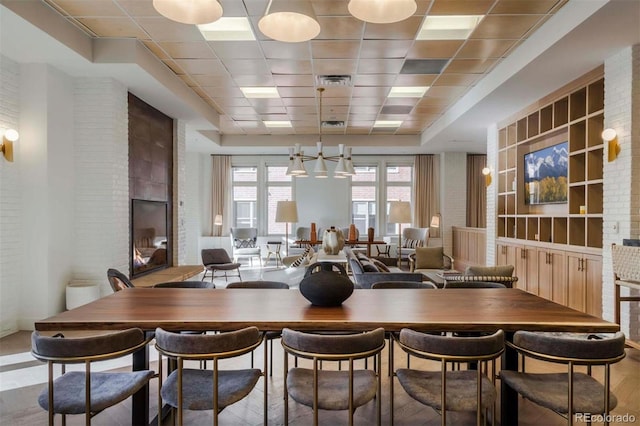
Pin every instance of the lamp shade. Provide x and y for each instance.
(218, 220)
(400, 212)
(287, 211)
(291, 21)
(382, 11)
(195, 12)
(435, 221)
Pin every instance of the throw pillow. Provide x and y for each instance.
(429, 258)
(500, 271)
(367, 266)
(248, 243)
(409, 243)
(381, 266)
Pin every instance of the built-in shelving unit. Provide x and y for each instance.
(556, 248)
(578, 118)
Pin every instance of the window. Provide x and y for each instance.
(278, 189)
(399, 183)
(245, 197)
(363, 198)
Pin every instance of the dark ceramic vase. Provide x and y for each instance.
(322, 286)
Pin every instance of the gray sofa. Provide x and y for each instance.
(365, 272)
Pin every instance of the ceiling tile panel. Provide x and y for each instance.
(508, 7)
(457, 79)
(385, 48)
(161, 29)
(340, 28)
(380, 66)
(246, 66)
(281, 66)
(155, 49)
(403, 30)
(202, 66)
(254, 80)
(293, 80)
(90, 8)
(434, 49)
(469, 66)
(188, 50)
(223, 92)
(138, 8)
(415, 79)
(334, 66)
(504, 26)
(114, 27)
(279, 50)
(370, 92)
(374, 79)
(326, 49)
(297, 92)
(484, 48)
(236, 49)
(214, 80)
(330, 7)
(460, 7)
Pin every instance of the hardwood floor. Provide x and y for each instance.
(22, 379)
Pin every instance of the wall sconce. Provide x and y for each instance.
(609, 135)
(486, 171)
(9, 137)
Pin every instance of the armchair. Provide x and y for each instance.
(412, 238)
(244, 243)
(429, 259)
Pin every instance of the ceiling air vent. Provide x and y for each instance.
(333, 80)
(333, 123)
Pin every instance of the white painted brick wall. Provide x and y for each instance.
(102, 173)
(179, 193)
(622, 176)
(453, 194)
(492, 193)
(11, 245)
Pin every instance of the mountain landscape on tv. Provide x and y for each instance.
(545, 175)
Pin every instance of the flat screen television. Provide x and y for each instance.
(545, 175)
(149, 236)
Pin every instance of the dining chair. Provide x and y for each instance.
(202, 389)
(323, 389)
(87, 392)
(244, 244)
(118, 280)
(570, 393)
(270, 336)
(185, 284)
(451, 390)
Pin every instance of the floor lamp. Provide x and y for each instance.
(400, 212)
(436, 222)
(217, 224)
(286, 212)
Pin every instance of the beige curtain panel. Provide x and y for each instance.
(426, 192)
(220, 184)
(476, 191)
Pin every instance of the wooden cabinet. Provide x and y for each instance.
(584, 279)
(552, 275)
(567, 277)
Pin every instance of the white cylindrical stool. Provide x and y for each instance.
(81, 292)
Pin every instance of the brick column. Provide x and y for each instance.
(622, 176)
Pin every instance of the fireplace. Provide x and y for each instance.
(150, 237)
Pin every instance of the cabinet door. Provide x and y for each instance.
(593, 285)
(544, 274)
(558, 273)
(522, 270)
(505, 254)
(576, 291)
(531, 263)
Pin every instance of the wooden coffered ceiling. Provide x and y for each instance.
(372, 54)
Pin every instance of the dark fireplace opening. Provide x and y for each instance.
(150, 243)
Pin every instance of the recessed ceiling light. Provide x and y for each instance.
(227, 29)
(408, 92)
(260, 92)
(387, 123)
(277, 123)
(451, 27)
